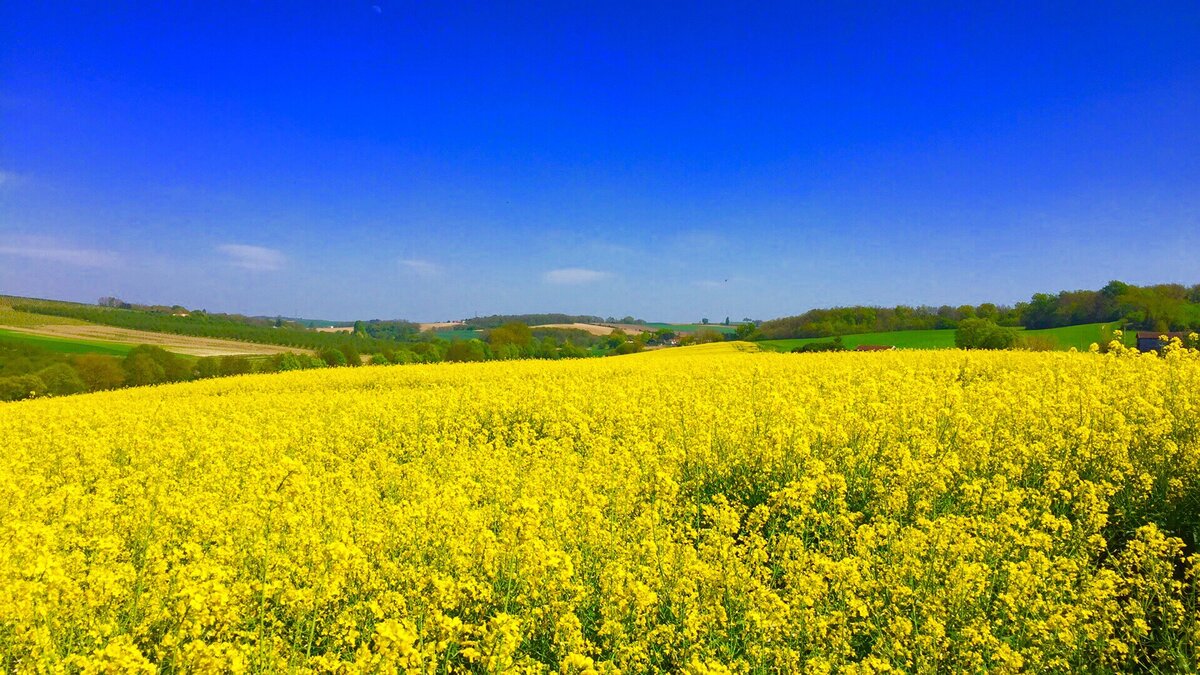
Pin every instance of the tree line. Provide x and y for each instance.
(1162, 307)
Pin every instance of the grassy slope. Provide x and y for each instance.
(66, 346)
(692, 327)
(1078, 337)
(11, 317)
(459, 334)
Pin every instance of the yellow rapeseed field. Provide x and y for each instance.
(704, 509)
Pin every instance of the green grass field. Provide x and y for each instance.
(65, 345)
(1079, 337)
(459, 334)
(692, 327)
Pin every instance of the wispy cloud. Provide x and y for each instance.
(421, 268)
(254, 258)
(80, 257)
(574, 275)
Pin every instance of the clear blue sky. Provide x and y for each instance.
(433, 160)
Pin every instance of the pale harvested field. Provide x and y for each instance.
(437, 325)
(589, 327)
(595, 328)
(335, 329)
(181, 344)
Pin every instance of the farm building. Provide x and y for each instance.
(874, 348)
(1150, 341)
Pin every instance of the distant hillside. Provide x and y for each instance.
(497, 320)
(181, 321)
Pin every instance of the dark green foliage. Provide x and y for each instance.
(631, 347)
(513, 333)
(353, 358)
(332, 356)
(141, 370)
(18, 387)
(572, 351)
(983, 334)
(398, 331)
(466, 350)
(209, 366)
(147, 364)
(834, 345)
(286, 362)
(61, 379)
(99, 372)
(854, 320)
(747, 331)
(235, 365)
(1163, 307)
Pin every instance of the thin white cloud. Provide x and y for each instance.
(80, 257)
(421, 268)
(574, 275)
(253, 258)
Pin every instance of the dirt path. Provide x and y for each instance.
(182, 344)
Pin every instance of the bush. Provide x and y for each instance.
(99, 372)
(61, 379)
(21, 387)
(353, 358)
(209, 366)
(983, 334)
(235, 365)
(333, 357)
(834, 345)
(631, 347)
(285, 362)
(466, 350)
(142, 369)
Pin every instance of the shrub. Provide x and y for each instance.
(21, 387)
(983, 334)
(235, 365)
(834, 345)
(465, 350)
(61, 379)
(99, 372)
(333, 357)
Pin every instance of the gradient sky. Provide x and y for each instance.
(434, 160)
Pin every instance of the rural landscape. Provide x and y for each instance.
(388, 337)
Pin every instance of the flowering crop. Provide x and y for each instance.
(708, 509)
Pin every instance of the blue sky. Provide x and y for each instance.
(433, 160)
